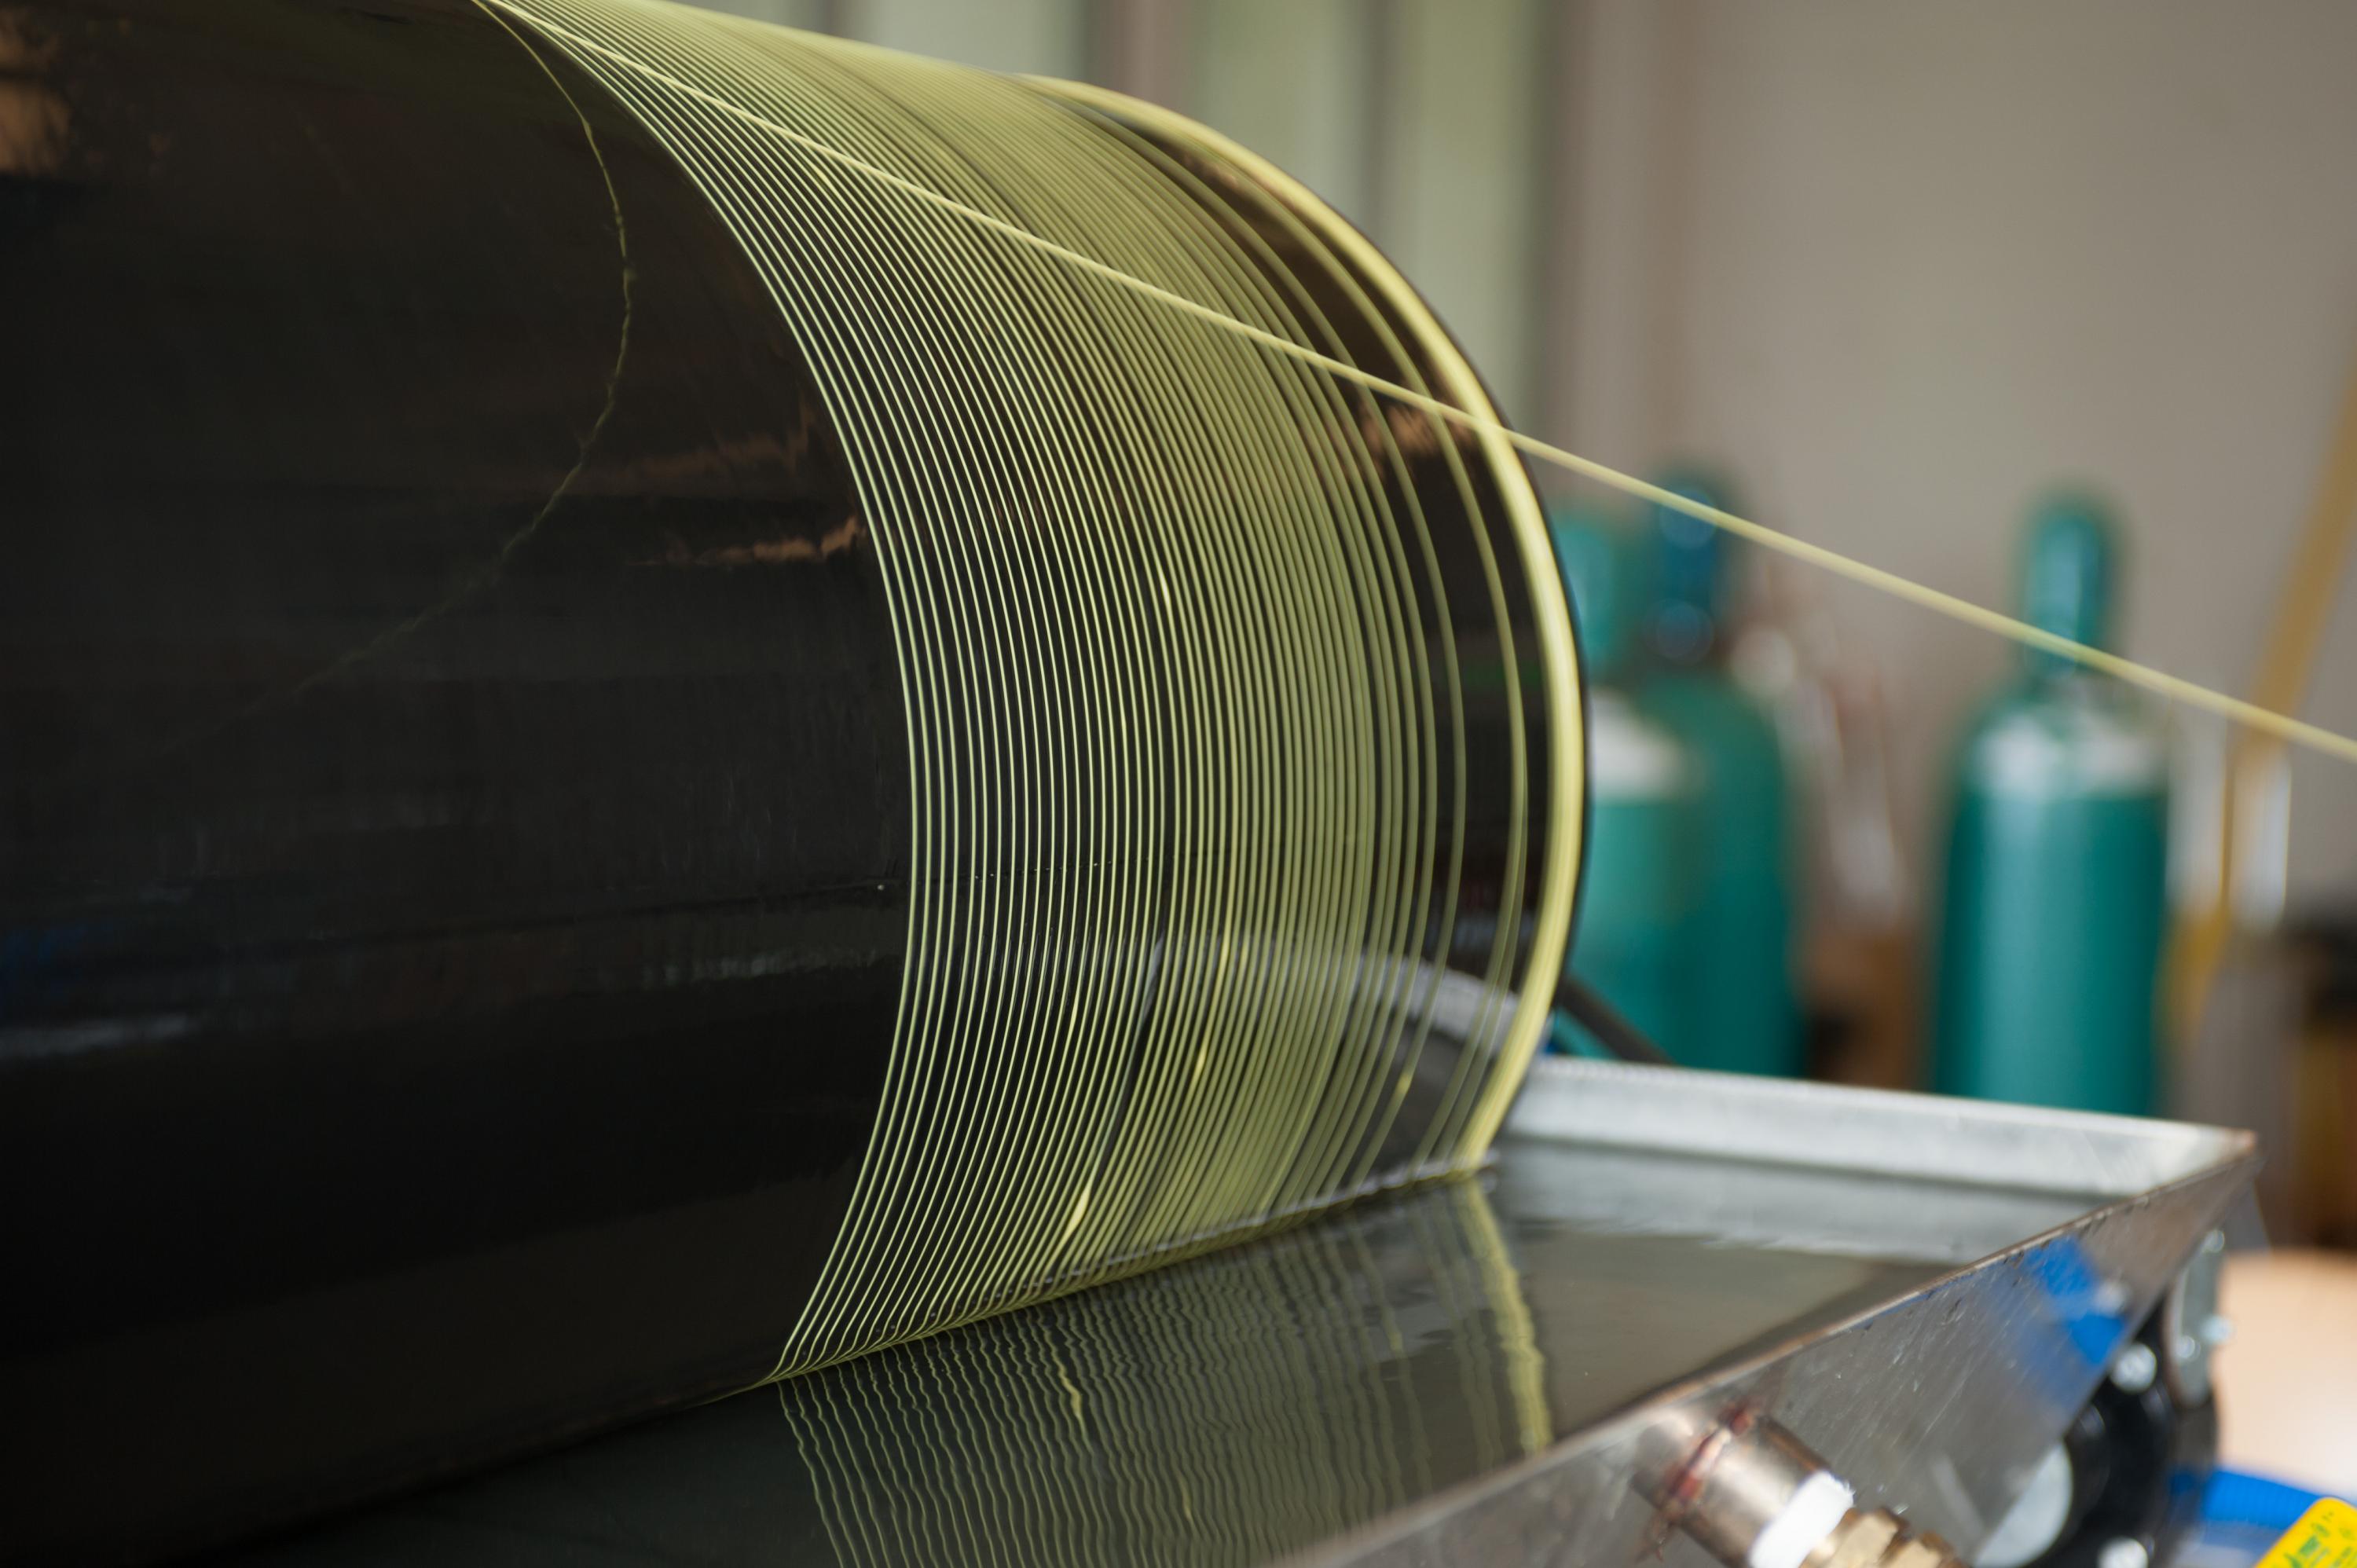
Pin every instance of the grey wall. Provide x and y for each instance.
(1903, 265)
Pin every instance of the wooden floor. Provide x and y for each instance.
(2288, 1382)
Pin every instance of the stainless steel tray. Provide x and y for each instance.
(1924, 1290)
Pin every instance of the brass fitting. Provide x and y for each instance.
(1881, 1538)
(1754, 1496)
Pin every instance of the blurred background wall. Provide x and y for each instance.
(1907, 263)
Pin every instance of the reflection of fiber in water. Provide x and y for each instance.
(1143, 1422)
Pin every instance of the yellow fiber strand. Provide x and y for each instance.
(2175, 688)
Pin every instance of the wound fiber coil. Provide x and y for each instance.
(1182, 672)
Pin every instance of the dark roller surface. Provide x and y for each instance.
(451, 906)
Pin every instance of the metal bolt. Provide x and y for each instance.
(2133, 1369)
(2123, 1551)
(2217, 1329)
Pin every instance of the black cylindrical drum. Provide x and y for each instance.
(676, 699)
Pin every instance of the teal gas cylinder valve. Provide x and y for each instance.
(2053, 912)
(1745, 1013)
(1634, 942)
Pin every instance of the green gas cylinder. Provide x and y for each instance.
(1745, 1015)
(1634, 942)
(2053, 912)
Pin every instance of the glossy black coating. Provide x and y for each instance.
(452, 902)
